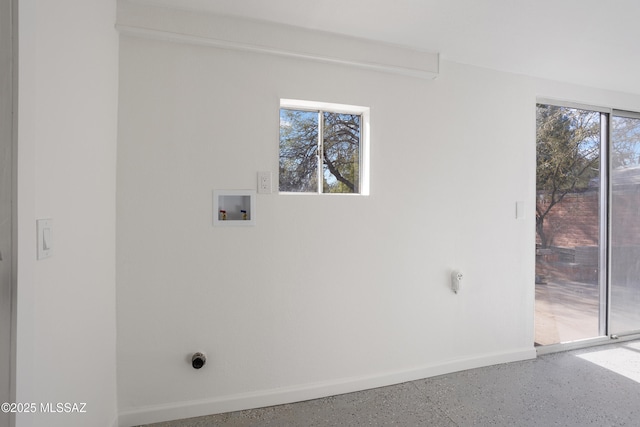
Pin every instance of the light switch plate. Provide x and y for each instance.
(45, 238)
(520, 211)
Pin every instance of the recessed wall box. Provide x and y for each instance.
(234, 208)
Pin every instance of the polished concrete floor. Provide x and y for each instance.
(599, 386)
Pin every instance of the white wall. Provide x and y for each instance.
(6, 206)
(326, 294)
(67, 132)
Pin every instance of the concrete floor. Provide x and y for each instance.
(599, 386)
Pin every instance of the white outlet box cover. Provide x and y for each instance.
(264, 183)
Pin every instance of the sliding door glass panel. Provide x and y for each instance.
(625, 224)
(567, 224)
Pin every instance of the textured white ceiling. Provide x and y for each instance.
(595, 43)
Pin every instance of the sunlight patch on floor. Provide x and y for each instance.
(623, 360)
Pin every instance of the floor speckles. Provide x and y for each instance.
(589, 387)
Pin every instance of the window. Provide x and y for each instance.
(323, 148)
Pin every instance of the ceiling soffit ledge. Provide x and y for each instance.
(175, 25)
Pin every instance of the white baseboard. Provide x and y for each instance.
(279, 396)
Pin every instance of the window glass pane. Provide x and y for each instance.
(567, 224)
(625, 224)
(341, 153)
(298, 150)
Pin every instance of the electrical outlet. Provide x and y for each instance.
(264, 182)
(456, 278)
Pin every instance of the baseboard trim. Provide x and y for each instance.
(279, 396)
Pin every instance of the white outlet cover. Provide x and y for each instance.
(264, 182)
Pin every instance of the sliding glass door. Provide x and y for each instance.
(587, 223)
(625, 223)
(569, 289)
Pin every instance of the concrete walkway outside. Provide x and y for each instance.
(566, 311)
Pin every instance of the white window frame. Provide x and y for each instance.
(363, 112)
